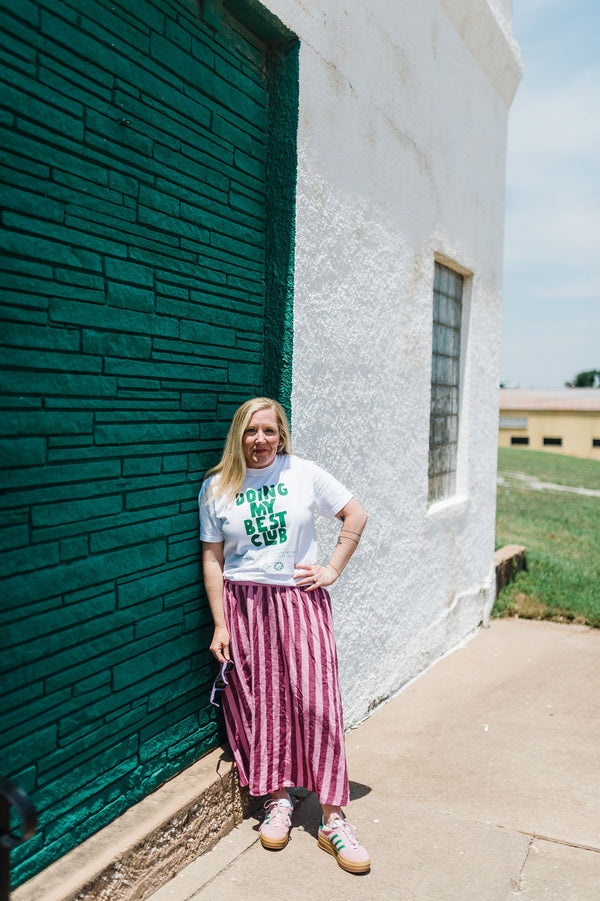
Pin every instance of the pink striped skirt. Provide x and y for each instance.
(283, 710)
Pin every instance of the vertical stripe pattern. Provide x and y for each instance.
(283, 710)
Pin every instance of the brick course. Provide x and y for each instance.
(133, 227)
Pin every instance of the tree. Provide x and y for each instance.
(588, 379)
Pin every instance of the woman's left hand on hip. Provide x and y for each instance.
(314, 576)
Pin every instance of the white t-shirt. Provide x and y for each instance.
(269, 528)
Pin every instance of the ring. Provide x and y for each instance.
(314, 580)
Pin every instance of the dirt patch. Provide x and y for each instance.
(527, 607)
(522, 606)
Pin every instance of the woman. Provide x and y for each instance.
(272, 617)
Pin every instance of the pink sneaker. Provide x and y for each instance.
(275, 828)
(339, 839)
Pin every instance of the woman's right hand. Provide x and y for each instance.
(219, 646)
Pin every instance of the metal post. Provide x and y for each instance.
(4, 851)
(12, 796)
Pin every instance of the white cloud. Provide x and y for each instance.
(553, 180)
(556, 121)
(551, 324)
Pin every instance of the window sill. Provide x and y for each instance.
(455, 504)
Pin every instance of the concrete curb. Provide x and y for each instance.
(151, 842)
(508, 560)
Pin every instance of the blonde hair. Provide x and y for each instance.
(232, 466)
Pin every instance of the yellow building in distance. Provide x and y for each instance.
(563, 421)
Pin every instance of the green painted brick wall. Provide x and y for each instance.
(147, 181)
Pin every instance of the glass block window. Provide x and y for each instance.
(445, 374)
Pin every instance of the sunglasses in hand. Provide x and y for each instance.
(221, 682)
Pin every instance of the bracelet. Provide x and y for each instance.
(331, 566)
(350, 530)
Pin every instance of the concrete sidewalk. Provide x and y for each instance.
(478, 782)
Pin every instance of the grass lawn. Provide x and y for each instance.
(561, 531)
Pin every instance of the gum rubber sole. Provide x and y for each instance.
(273, 844)
(350, 866)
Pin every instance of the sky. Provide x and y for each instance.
(551, 290)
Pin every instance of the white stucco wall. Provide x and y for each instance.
(402, 136)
